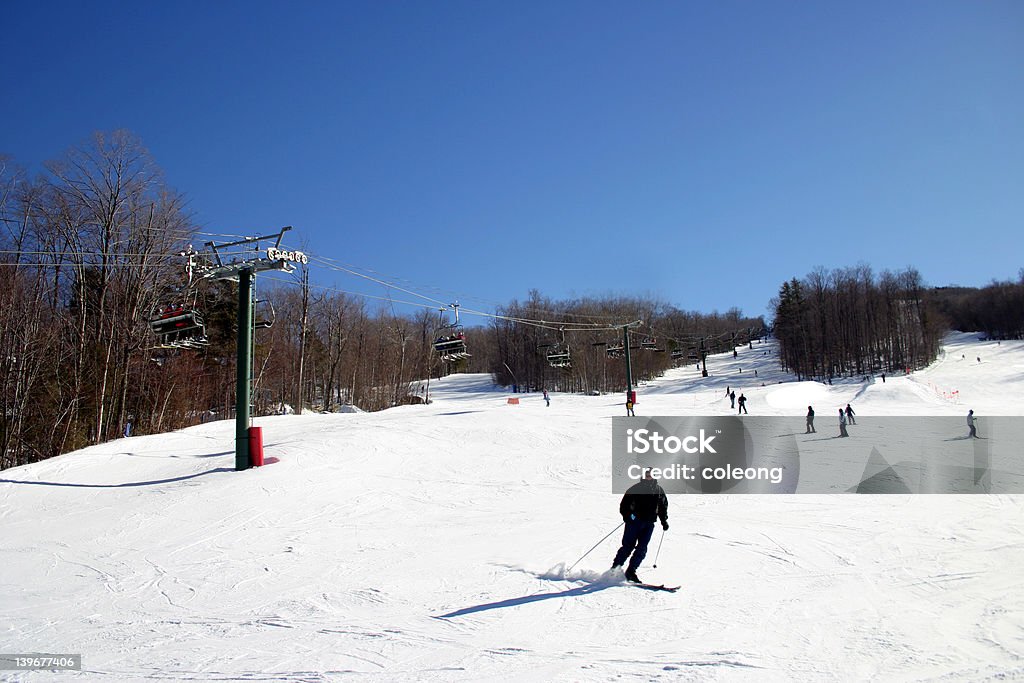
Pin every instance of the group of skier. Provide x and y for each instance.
(846, 416)
(732, 401)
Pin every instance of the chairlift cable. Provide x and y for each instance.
(333, 264)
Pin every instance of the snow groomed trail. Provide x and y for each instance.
(429, 543)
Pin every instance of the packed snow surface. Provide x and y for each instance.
(431, 543)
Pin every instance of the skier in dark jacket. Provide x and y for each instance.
(643, 503)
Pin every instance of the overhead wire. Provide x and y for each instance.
(125, 260)
(549, 325)
(337, 265)
(393, 279)
(334, 265)
(553, 325)
(183, 232)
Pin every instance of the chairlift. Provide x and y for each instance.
(450, 340)
(264, 315)
(558, 357)
(179, 327)
(649, 344)
(177, 324)
(452, 346)
(616, 351)
(558, 352)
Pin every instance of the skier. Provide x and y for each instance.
(743, 405)
(732, 399)
(547, 399)
(810, 421)
(643, 503)
(970, 424)
(629, 408)
(850, 414)
(842, 423)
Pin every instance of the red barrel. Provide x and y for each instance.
(256, 446)
(631, 397)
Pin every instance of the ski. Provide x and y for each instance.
(653, 587)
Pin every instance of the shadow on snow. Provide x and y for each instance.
(585, 589)
(129, 484)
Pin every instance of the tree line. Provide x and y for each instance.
(87, 250)
(587, 337)
(996, 310)
(92, 249)
(848, 322)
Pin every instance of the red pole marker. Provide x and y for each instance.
(256, 446)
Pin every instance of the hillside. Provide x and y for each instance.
(429, 543)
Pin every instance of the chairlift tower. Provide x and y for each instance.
(629, 367)
(243, 272)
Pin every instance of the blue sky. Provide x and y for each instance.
(698, 152)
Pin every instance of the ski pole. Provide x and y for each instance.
(595, 546)
(659, 548)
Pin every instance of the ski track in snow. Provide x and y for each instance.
(431, 543)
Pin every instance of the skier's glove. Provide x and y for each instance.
(664, 526)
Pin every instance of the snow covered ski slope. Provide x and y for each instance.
(429, 543)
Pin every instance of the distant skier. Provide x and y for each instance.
(979, 359)
(842, 423)
(629, 408)
(850, 414)
(883, 378)
(971, 426)
(547, 399)
(810, 421)
(732, 399)
(643, 503)
(743, 405)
